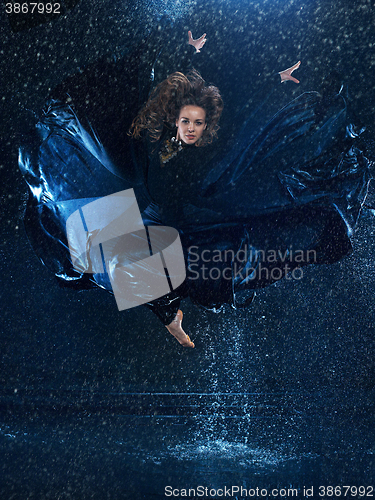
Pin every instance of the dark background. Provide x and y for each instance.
(101, 404)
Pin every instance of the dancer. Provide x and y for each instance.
(295, 181)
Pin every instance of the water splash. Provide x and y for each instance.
(222, 450)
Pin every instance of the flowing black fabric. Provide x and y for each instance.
(295, 179)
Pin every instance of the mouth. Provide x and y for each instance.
(190, 137)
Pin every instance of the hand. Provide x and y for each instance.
(287, 73)
(198, 44)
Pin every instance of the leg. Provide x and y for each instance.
(167, 310)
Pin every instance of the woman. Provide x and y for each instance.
(293, 182)
(181, 116)
(194, 109)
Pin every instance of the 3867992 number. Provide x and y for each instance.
(346, 491)
(32, 8)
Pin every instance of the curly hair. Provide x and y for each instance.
(166, 100)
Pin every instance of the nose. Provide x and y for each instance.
(191, 127)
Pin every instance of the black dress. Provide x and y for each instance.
(284, 192)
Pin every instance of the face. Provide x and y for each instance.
(190, 124)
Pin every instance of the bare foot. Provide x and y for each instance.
(287, 73)
(176, 330)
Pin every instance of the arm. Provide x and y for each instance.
(285, 75)
(188, 58)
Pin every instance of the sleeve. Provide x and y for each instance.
(176, 55)
(190, 59)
